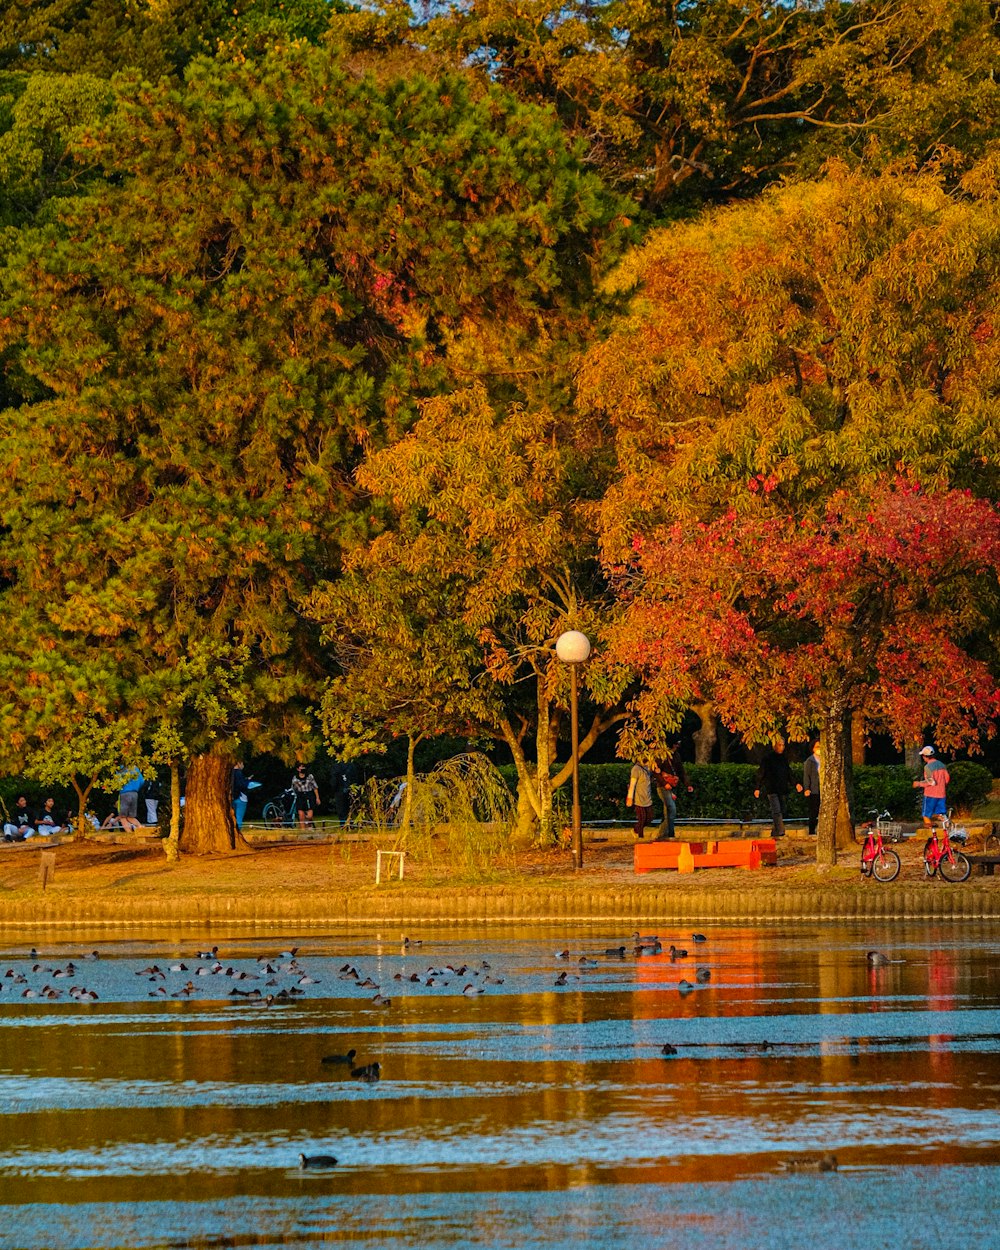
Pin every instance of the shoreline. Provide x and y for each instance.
(505, 906)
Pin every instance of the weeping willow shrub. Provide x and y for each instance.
(461, 812)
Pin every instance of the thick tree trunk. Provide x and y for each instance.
(172, 842)
(911, 757)
(209, 823)
(835, 830)
(705, 738)
(527, 799)
(857, 739)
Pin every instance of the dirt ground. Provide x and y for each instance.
(132, 869)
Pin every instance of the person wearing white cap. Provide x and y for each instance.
(934, 784)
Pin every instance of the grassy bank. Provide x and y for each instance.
(317, 885)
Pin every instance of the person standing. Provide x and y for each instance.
(150, 798)
(306, 795)
(670, 773)
(934, 784)
(241, 793)
(128, 795)
(340, 775)
(640, 796)
(810, 787)
(774, 777)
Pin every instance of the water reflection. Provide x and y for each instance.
(142, 1121)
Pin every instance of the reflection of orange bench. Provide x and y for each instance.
(687, 856)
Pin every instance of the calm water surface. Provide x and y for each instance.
(530, 1115)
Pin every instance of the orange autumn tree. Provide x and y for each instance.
(800, 347)
(866, 610)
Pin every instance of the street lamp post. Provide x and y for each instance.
(573, 648)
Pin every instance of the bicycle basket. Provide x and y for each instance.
(892, 831)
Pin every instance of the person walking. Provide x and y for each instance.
(640, 796)
(774, 777)
(934, 784)
(306, 795)
(669, 775)
(810, 787)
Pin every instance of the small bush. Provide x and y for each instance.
(970, 785)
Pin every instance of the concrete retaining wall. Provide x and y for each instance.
(497, 905)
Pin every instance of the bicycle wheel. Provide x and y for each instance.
(272, 816)
(928, 862)
(885, 867)
(955, 869)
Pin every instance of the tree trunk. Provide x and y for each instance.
(82, 795)
(209, 823)
(172, 842)
(836, 826)
(723, 735)
(911, 757)
(705, 738)
(406, 816)
(527, 799)
(543, 770)
(857, 739)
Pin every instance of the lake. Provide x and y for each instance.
(172, 1109)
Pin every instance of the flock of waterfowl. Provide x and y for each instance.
(282, 978)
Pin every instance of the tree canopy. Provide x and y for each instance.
(707, 100)
(286, 257)
(870, 608)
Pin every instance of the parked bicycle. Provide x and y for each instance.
(878, 860)
(941, 857)
(279, 812)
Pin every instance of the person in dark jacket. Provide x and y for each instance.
(810, 786)
(670, 774)
(774, 777)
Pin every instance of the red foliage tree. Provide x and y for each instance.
(872, 608)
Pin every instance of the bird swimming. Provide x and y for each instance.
(345, 1058)
(317, 1161)
(810, 1163)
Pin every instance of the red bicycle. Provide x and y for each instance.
(940, 856)
(877, 860)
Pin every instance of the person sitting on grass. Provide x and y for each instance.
(117, 820)
(20, 824)
(48, 821)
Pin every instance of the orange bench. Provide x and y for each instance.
(687, 856)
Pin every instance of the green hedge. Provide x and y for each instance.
(725, 791)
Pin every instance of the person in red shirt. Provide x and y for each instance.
(934, 784)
